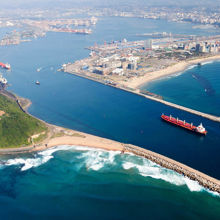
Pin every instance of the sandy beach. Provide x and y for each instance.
(72, 137)
(61, 136)
(58, 136)
(76, 138)
(88, 140)
(136, 82)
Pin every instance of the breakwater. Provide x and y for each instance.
(203, 179)
(195, 112)
(145, 92)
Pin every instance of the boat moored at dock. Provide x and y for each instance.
(189, 126)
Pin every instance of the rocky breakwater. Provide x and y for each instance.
(203, 179)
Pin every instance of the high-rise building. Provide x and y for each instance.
(197, 48)
(148, 44)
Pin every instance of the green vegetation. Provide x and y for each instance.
(40, 138)
(16, 127)
(61, 134)
(78, 135)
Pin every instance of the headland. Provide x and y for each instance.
(56, 136)
(62, 136)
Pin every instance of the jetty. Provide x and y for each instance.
(195, 112)
(145, 92)
(203, 179)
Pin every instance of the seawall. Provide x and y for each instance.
(195, 112)
(203, 179)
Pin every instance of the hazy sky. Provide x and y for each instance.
(71, 3)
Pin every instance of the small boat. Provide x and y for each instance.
(199, 64)
(37, 82)
(189, 126)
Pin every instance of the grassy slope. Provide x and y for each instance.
(15, 126)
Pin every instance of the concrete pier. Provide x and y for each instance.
(203, 179)
(195, 112)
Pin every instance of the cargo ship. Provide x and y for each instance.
(189, 126)
(5, 66)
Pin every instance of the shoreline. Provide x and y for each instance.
(61, 136)
(182, 66)
(75, 138)
(58, 136)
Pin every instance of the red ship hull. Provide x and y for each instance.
(5, 66)
(182, 124)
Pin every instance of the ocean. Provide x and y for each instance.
(198, 88)
(71, 182)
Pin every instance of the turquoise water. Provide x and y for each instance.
(95, 184)
(197, 88)
(74, 182)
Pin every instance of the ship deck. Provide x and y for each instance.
(178, 122)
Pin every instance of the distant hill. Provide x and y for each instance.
(16, 127)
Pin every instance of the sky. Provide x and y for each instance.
(99, 3)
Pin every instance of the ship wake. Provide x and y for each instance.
(205, 84)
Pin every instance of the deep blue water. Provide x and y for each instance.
(197, 88)
(55, 187)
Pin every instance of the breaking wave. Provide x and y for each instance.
(191, 67)
(92, 156)
(208, 62)
(96, 160)
(174, 75)
(147, 168)
(157, 172)
(102, 160)
(39, 159)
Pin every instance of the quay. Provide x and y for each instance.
(203, 179)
